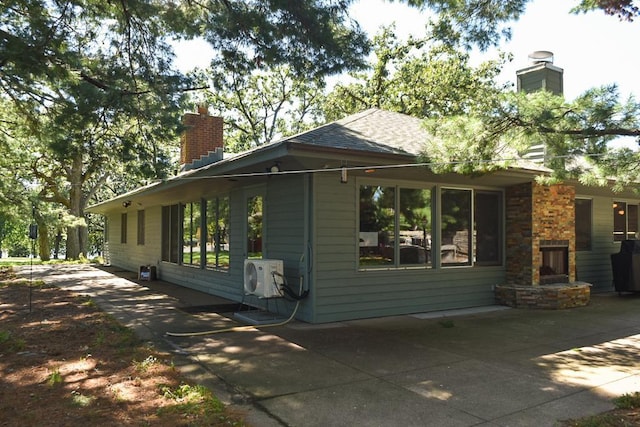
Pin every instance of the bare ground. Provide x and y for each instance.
(63, 362)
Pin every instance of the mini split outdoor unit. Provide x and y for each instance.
(263, 277)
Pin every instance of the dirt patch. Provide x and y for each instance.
(65, 362)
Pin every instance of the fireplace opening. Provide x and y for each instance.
(555, 263)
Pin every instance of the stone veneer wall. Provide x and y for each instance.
(536, 212)
(518, 220)
(553, 297)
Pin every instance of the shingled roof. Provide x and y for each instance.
(372, 130)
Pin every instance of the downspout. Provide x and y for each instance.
(307, 263)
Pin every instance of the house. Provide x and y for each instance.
(359, 225)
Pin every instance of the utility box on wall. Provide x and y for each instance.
(147, 272)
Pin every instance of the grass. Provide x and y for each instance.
(628, 401)
(54, 378)
(11, 343)
(626, 414)
(194, 401)
(6, 262)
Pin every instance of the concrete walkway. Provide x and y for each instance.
(486, 367)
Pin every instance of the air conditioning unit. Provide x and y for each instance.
(263, 277)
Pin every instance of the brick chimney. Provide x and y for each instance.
(202, 140)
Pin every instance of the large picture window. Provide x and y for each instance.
(395, 226)
(218, 233)
(583, 224)
(625, 221)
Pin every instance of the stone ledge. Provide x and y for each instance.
(553, 296)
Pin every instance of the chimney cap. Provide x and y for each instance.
(203, 110)
(540, 56)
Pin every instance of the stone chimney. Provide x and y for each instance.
(202, 140)
(541, 74)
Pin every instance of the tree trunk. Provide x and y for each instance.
(77, 232)
(56, 245)
(44, 248)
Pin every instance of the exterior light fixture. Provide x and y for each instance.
(275, 168)
(126, 203)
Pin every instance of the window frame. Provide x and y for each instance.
(396, 259)
(477, 241)
(436, 202)
(470, 241)
(216, 238)
(625, 232)
(170, 235)
(191, 225)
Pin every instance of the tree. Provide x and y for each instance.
(484, 23)
(265, 104)
(96, 94)
(419, 77)
(576, 135)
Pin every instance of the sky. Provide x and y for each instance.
(593, 49)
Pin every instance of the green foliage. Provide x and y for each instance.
(485, 23)
(628, 401)
(54, 378)
(10, 343)
(144, 365)
(419, 77)
(576, 136)
(81, 400)
(262, 105)
(195, 399)
(91, 102)
(625, 10)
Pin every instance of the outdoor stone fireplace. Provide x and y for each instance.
(554, 265)
(540, 238)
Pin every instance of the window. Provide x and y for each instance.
(170, 233)
(471, 227)
(217, 243)
(123, 228)
(141, 227)
(255, 232)
(191, 233)
(487, 216)
(583, 224)
(394, 226)
(414, 226)
(456, 222)
(625, 221)
(470, 230)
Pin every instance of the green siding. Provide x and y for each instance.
(594, 266)
(343, 292)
